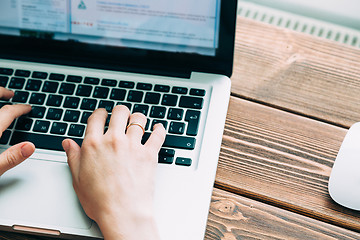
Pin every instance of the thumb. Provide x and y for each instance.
(15, 155)
(72, 151)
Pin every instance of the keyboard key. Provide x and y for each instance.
(50, 87)
(5, 137)
(54, 114)
(126, 84)
(58, 128)
(152, 98)
(106, 129)
(67, 88)
(88, 104)
(40, 75)
(20, 97)
(22, 73)
(193, 119)
(41, 126)
(108, 105)
(57, 77)
(156, 121)
(180, 90)
(169, 100)
(141, 109)
(71, 102)
(197, 92)
(118, 94)
(12, 125)
(175, 114)
(109, 82)
(6, 71)
(3, 81)
(85, 117)
(162, 88)
(17, 83)
(135, 96)
(147, 124)
(71, 116)
(54, 100)
(37, 98)
(165, 159)
(91, 80)
(191, 102)
(4, 103)
(37, 112)
(107, 120)
(33, 85)
(183, 161)
(84, 90)
(167, 152)
(177, 127)
(74, 79)
(101, 92)
(41, 141)
(173, 141)
(158, 112)
(24, 123)
(144, 86)
(76, 130)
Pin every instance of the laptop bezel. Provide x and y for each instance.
(128, 59)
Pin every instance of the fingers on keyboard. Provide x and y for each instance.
(62, 105)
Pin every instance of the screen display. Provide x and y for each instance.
(174, 26)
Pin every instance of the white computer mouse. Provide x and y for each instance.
(344, 182)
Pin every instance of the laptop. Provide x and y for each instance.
(170, 60)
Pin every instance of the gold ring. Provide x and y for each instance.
(136, 124)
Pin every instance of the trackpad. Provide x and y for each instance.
(40, 193)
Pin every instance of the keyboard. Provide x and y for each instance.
(61, 105)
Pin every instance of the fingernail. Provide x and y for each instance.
(65, 145)
(27, 150)
(158, 125)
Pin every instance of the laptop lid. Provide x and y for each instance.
(157, 37)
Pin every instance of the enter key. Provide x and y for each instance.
(193, 119)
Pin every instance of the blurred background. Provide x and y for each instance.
(336, 20)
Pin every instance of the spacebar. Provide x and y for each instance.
(41, 141)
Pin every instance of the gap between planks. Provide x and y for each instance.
(321, 149)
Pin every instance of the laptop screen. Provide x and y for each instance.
(165, 37)
(173, 26)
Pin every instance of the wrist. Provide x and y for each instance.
(122, 226)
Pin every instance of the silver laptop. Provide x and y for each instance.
(170, 60)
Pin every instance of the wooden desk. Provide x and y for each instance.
(293, 98)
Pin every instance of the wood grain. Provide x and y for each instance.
(234, 217)
(297, 72)
(282, 159)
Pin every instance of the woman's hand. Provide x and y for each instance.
(114, 174)
(19, 152)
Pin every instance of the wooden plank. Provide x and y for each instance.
(282, 159)
(297, 72)
(234, 217)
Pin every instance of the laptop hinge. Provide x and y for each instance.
(152, 70)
